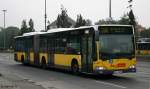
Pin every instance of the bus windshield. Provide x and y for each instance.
(116, 45)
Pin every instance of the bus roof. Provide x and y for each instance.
(142, 42)
(115, 25)
(82, 27)
(29, 34)
(67, 29)
(59, 30)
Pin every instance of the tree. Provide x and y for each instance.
(2, 31)
(88, 22)
(107, 21)
(48, 26)
(24, 28)
(145, 33)
(80, 21)
(31, 26)
(62, 19)
(133, 21)
(124, 20)
(10, 33)
(59, 22)
(130, 1)
(131, 15)
(132, 18)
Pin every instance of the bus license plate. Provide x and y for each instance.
(118, 72)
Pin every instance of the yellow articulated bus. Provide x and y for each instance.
(103, 49)
(143, 48)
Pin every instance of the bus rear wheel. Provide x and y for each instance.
(43, 64)
(75, 67)
(22, 60)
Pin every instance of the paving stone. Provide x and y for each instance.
(13, 82)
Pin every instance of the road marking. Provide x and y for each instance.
(111, 84)
(143, 73)
(149, 84)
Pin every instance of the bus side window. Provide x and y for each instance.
(73, 47)
(43, 45)
(51, 43)
(59, 45)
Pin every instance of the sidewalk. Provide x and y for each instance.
(14, 82)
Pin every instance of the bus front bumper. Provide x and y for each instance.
(131, 70)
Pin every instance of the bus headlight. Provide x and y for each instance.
(131, 67)
(100, 68)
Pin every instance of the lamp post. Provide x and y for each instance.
(45, 16)
(110, 17)
(4, 26)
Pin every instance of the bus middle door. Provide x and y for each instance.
(86, 58)
(36, 50)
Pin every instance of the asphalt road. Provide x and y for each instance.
(57, 79)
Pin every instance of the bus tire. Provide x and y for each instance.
(75, 67)
(107, 75)
(43, 63)
(22, 59)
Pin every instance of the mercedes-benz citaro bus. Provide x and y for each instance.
(143, 48)
(102, 49)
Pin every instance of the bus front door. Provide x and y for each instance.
(86, 48)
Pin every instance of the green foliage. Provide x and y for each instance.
(145, 33)
(31, 26)
(107, 21)
(124, 20)
(133, 21)
(48, 25)
(88, 22)
(132, 18)
(80, 21)
(24, 28)
(1, 38)
(9, 34)
(62, 19)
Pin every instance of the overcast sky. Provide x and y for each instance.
(17, 10)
